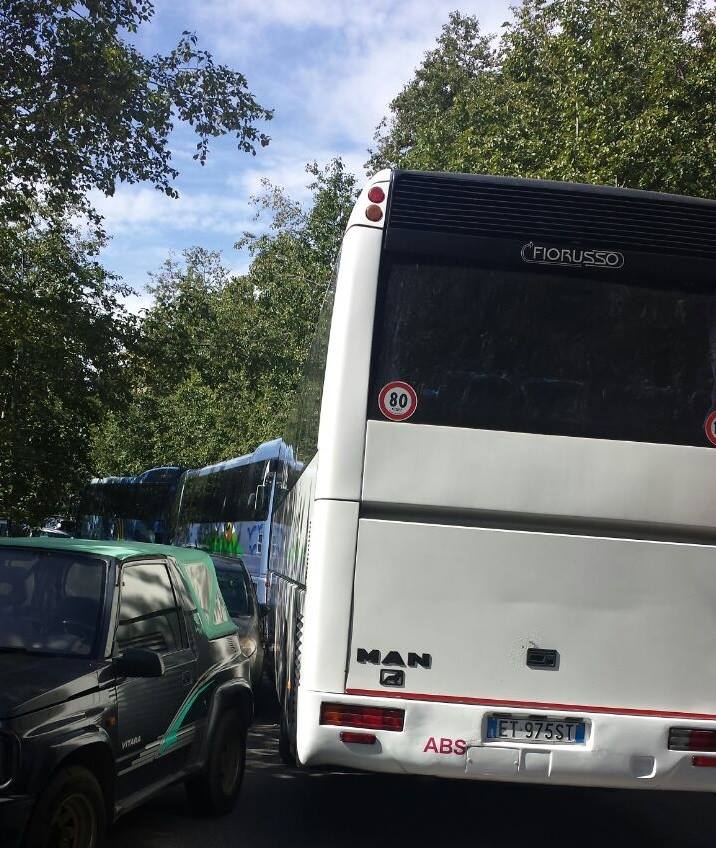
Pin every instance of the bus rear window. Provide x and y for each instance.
(545, 353)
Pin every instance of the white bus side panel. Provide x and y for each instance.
(313, 546)
(549, 476)
(327, 612)
(341, 436)
(290, 536)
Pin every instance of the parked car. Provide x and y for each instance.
(121, 674)
(240, 596)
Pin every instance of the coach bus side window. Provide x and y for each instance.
(303, 434)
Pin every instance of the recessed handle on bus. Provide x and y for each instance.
(542, 658)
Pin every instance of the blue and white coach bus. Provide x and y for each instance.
(224, 509)
(494, 546)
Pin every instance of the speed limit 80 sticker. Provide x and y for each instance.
(397, 400)
(710, 427)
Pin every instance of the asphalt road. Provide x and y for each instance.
(304, 808)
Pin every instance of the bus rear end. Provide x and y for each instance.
(526, 568)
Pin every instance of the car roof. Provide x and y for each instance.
(195, 566)
(117, 550)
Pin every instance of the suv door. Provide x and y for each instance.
(150, 616)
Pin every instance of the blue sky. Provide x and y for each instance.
(329, 68)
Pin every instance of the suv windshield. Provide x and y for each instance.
(50, 602)
(548, 353)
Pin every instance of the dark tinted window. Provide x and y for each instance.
(148, 614)
(235, 591)
(302, 430)
(127, 508)
(50, 602)
(233, 494)
(543, 353)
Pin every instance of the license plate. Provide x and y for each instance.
(551, 731)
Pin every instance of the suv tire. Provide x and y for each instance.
(70, 811)
(214, 791)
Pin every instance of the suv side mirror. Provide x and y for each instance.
(139, 662)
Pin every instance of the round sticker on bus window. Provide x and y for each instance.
(397, 400)
(710, 427)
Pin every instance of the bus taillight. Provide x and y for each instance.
(691, 739)
(373, 213)
(353, 715)
(376, 194)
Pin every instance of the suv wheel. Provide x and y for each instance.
(214, 791)
(70, 812)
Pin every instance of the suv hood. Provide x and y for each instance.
(29, 683)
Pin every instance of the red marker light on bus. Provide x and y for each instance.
(374, 213)
(376, 194)
(350, 737)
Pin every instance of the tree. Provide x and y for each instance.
(177, 370)
(63, 337)
(82, 108)
(428, 113)
(620, 92)
(219, 355)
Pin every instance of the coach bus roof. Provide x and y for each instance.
(263, 453)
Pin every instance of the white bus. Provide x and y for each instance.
(494, 544)
(224, 509)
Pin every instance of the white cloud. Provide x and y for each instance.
(343, 62)
(369, 16)
(138, 302)
(329, 67)
(284, 164)
(135, 209)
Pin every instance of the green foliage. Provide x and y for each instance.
(219, 356)
(611, 91)
(63, 336)
(82, 108)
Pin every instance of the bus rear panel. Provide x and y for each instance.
(510, 563)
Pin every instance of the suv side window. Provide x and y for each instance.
(149, 616)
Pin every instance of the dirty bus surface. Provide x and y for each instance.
(493, 534)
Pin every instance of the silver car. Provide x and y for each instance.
(240, 598)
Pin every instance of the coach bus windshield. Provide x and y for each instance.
(547, 353)
(214, 503)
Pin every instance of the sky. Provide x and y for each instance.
(329, 69)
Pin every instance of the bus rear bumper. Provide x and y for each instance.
(447, 740)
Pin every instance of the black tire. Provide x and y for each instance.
(214, 791)
(285, 748)
(70, 812)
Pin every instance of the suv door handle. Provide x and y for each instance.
(187, 678)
